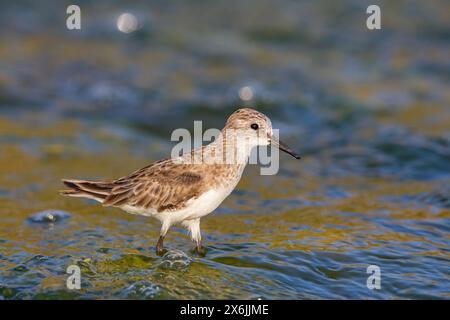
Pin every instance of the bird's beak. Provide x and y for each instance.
(283, 147)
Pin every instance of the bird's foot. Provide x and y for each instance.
(160, 251)
(200, 250)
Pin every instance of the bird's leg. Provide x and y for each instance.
(194, 229)
(160, 245)
(200, 249)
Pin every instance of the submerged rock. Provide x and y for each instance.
(49, 216)
(7, 292)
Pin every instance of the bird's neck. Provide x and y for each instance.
(229, 149)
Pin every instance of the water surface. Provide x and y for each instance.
(368, 111)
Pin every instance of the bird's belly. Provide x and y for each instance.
(148, 212)
(195, 208)
(199, 207)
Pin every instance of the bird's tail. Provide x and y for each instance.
(97, 190)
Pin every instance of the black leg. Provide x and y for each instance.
(160, 246)
(200, 249)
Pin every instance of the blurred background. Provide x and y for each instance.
(369, 111)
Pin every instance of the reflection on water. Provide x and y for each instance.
(369, 112)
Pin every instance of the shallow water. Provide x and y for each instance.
(369, 112)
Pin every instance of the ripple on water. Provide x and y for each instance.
(175, 260)
(438, 198)
(141, 290)
(120, 263)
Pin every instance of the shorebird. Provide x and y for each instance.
(182, 190)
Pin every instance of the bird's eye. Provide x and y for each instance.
(254, 126)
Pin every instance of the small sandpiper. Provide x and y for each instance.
(180, 190)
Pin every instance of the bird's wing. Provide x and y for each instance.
(162, 186)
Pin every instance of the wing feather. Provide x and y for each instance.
(162, 186)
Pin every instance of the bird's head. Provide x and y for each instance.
(256, 129)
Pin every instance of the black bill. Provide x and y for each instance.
(283, 147)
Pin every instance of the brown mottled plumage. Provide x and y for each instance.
(180, 190)
(163, 185)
